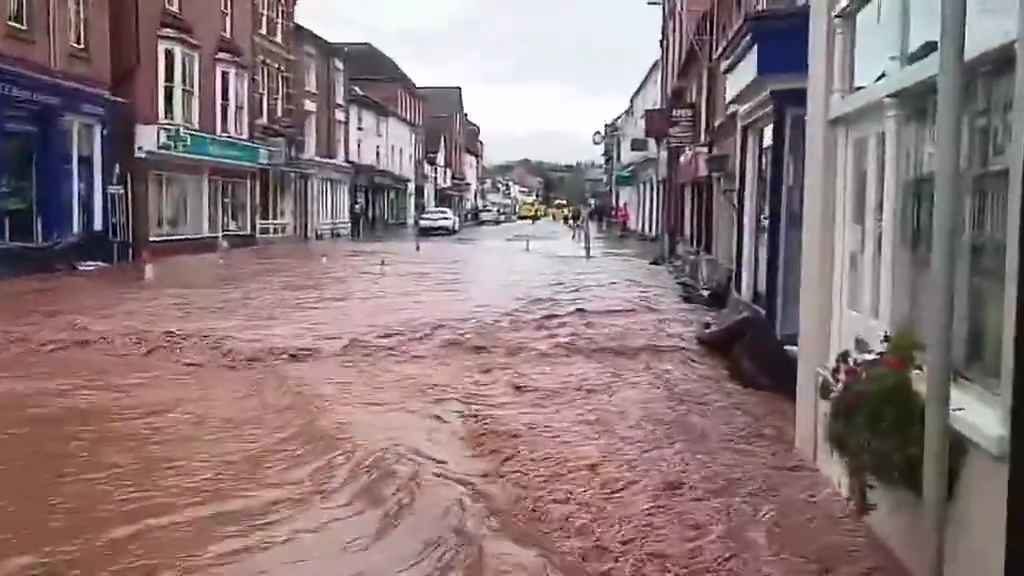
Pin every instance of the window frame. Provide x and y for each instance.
(339, 139)
(309, 134)
(174, 5)
(227, 15)
(262, 91)
(177, 115)
(282, 15)
(78, 8)
(237, 102)
(310, 72)
(339, 82)
(264, 17)
(283, 87)
(12, 8)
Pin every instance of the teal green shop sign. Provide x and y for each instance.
(177, 140)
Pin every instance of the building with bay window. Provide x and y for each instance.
(59, 129)
(186, 67)
(867, 240)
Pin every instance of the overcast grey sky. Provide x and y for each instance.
(539, 76)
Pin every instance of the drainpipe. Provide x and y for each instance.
(946, 233)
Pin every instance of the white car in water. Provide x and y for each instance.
(489, 215)
(438, 221)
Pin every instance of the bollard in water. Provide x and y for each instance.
(527, 244)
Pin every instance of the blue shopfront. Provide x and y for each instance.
(765, 70)
(54, 159)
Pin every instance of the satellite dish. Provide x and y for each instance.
(598, 138)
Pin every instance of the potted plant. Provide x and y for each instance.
(877, 420)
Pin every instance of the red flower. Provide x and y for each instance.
(896, 364)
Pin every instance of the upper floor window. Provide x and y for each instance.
(311, 72)
(380, 125)
(283, 87)
(77, 25)
(262, 91)
(225, 17)
(339, 139)
(309, 135)
(282, 15)
(173, 5)
(271, 14)
(17, 13)
(378, 157)
(359, 118)
(179, 84)
(232, 102)
(339, 82)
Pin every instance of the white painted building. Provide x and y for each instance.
(385, 142)
(867, 241)
(639, 188)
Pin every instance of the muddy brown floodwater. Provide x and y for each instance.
(471, 408)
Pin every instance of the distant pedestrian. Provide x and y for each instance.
(356, 219)
(624, 219)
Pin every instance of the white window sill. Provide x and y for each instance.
(976, 414)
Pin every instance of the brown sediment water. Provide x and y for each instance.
(369, 409)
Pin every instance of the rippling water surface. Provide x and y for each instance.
(471, 408)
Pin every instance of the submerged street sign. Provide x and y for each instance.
(682, 130)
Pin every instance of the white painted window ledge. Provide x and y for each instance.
(978, 418)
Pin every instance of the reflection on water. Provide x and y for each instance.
(470, 408)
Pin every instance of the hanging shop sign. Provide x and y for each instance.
(682, 130)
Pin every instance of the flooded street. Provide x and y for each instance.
(370, 409)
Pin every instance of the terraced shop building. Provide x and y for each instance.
(58, 129)
(193, 167)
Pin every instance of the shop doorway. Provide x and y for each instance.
(86, 170)
(760, 177)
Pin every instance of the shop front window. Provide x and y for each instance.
(981, 250)
(18, 188)
(175, 205)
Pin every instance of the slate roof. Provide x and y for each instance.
(434, 127)
(441, 100)
(364, 61)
